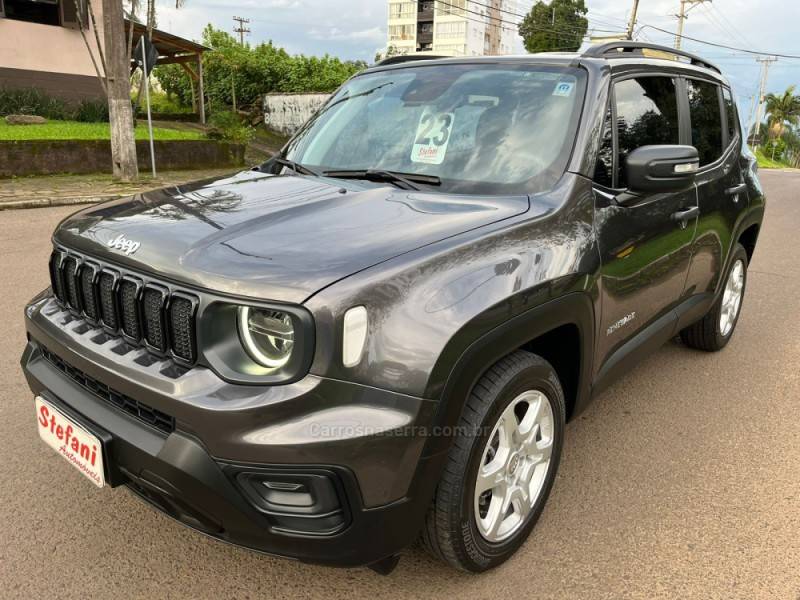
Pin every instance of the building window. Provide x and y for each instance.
(402, 32)
(451, 30)
(402, 10)
(45, 12)
(451, 49)
(451, 7)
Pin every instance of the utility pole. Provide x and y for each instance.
(682, 17)
(241, 29)
(632, 22)
(765, 61)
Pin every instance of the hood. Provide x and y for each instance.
(281, 238)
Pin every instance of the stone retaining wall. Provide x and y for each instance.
(47, 157)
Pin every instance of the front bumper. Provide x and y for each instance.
(355, 451)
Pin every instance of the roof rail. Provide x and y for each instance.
(401, 58)
(619, 49)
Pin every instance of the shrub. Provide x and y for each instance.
(31, 102)
(35, 102)
(228, 126)
(91, 111)
(254, 71)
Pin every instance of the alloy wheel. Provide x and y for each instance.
(732, 298)
(514, 465)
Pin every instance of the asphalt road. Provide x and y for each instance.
(682, 480)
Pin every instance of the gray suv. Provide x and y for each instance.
(379, 334)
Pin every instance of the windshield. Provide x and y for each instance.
(480, 128)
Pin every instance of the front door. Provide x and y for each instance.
(645, 252)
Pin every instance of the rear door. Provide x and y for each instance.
(722, 195)
(645, 253)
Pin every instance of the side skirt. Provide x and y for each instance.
(651, 338)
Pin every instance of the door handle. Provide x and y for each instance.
(736, 190)
(684, 215)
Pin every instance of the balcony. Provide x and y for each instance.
(424, 37)
(425, 15)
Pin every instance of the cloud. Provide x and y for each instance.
(352, 29)
(373, 34)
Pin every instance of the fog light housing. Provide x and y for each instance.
(307, 503)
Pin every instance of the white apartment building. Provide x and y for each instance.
(453, 27)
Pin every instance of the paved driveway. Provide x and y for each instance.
(682, 480)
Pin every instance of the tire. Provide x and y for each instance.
(709, 333)
(455, 529)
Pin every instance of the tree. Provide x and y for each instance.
(782, 109)
(118, 85)
(387, 53)
(255, 70)
(559, 26)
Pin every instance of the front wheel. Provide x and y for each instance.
(501, 466)
(714, 331)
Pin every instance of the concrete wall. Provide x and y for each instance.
(47, 48)
(286, 113)
(45, 157)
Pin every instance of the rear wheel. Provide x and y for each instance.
(501, 466)
(714, 331)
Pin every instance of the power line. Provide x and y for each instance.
(682, 17)
(718, 45)
(765, 61)
(241, 29)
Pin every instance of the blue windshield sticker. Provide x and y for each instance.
(564, 89)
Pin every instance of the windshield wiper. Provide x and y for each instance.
(290, 164)
(406, 180)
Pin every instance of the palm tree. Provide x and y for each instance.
(782, 109)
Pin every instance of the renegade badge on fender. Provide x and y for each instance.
(380, 333)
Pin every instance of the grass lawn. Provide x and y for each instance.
(765, 162)
(71, 130)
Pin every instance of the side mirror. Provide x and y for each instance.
(662, 168)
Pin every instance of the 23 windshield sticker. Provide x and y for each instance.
(432, 138)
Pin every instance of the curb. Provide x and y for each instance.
(51, 202)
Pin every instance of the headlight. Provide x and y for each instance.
(267, 335)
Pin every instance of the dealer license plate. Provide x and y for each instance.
(79, 447)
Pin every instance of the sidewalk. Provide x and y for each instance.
(61, 190)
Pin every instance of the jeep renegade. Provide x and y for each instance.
(380, 333)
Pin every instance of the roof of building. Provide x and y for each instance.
(171, 48)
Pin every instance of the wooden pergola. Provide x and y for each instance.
(177, 50)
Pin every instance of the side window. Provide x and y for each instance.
(706, 119)
(647, 113)
(604, 167)
(730, 111)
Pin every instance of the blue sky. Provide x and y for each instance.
(355, 29)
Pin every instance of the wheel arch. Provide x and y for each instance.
(560, 330)
(748, 238)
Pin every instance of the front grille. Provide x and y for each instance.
(181, 319)
(129, 305)
(144, 312)
(56, 277)
(70, 270)
(143, 412)
(88, 294)
(155, 333)
(107, 284)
